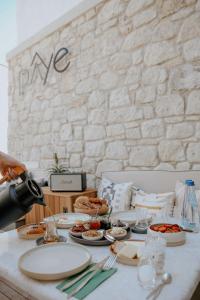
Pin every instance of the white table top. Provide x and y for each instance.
(183, 262)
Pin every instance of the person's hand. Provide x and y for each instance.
(10, 168)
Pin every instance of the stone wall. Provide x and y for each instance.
(130, 98)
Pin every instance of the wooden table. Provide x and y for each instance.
(58, 202)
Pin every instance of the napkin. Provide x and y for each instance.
(91, 285)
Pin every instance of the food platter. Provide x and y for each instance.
(67, 220)
(101, 242)
(80, 240)
(54, 261)
(128, 216)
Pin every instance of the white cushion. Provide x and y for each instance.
(154, 201)
(117, 194)
(180, 191)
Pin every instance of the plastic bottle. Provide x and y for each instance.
(190, 210)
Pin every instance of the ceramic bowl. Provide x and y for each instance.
(90, 238)
(172, 238)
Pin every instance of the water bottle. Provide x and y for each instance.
(190, 209)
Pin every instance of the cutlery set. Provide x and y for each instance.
(105, 264)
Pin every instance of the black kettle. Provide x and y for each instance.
(18, 199)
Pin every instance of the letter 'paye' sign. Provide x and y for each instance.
(40, 68)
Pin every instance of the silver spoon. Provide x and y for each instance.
(166, 279)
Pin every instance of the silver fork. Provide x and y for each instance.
(106, 266)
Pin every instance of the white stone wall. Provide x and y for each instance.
(130, 98)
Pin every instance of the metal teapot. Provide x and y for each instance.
(18, 199)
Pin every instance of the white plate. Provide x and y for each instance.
(54, 261)
(67, 220)
(128, 216)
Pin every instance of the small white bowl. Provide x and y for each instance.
(90, 238)
(77, 234)
(115, 235)
(126, 225)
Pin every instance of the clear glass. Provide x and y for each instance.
(155, 245)
(51, 234)
(142, 215)
(146, 273)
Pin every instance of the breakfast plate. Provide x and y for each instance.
(128, 252)
(54, 261)
(127, 216)
(67, 220)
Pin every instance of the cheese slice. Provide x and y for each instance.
(128, 251)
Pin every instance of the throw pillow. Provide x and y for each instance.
(154, 201)
(117, 194)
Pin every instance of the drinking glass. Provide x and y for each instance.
(155, 245)
(51, 234)
(142, 218)
(146, 272)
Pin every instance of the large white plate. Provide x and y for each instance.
(128, 216)
(54, 261)
(67, 220)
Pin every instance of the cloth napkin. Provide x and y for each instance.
(91, 285)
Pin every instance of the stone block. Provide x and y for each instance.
(144, 17)
(97, 116)
(96, 99)
(75, 161)
(143, 155)
(180, 131)
(191, 50)
(153, 128)
(119, 97)
(193, 152)
(193, 103)
(108, 80)
(120, 61)
(75, 146)
(146, 94)
(66, 132)
(170, 105)
(108, 165)
(125, 114)
(94, 132)
(77, 114)
(94, 149)
(135, 6)
(159, 53)
(115, 130)
(171, 151)
(190, 28)
(116, 150)
(86, 86)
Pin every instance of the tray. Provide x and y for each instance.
(102, 242)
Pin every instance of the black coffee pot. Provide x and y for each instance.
(18, 199)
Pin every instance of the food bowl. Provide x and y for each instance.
(173, 233)
(117, 232)
(30, 231)
(98, 233)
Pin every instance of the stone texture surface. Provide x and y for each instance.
(130, 98)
